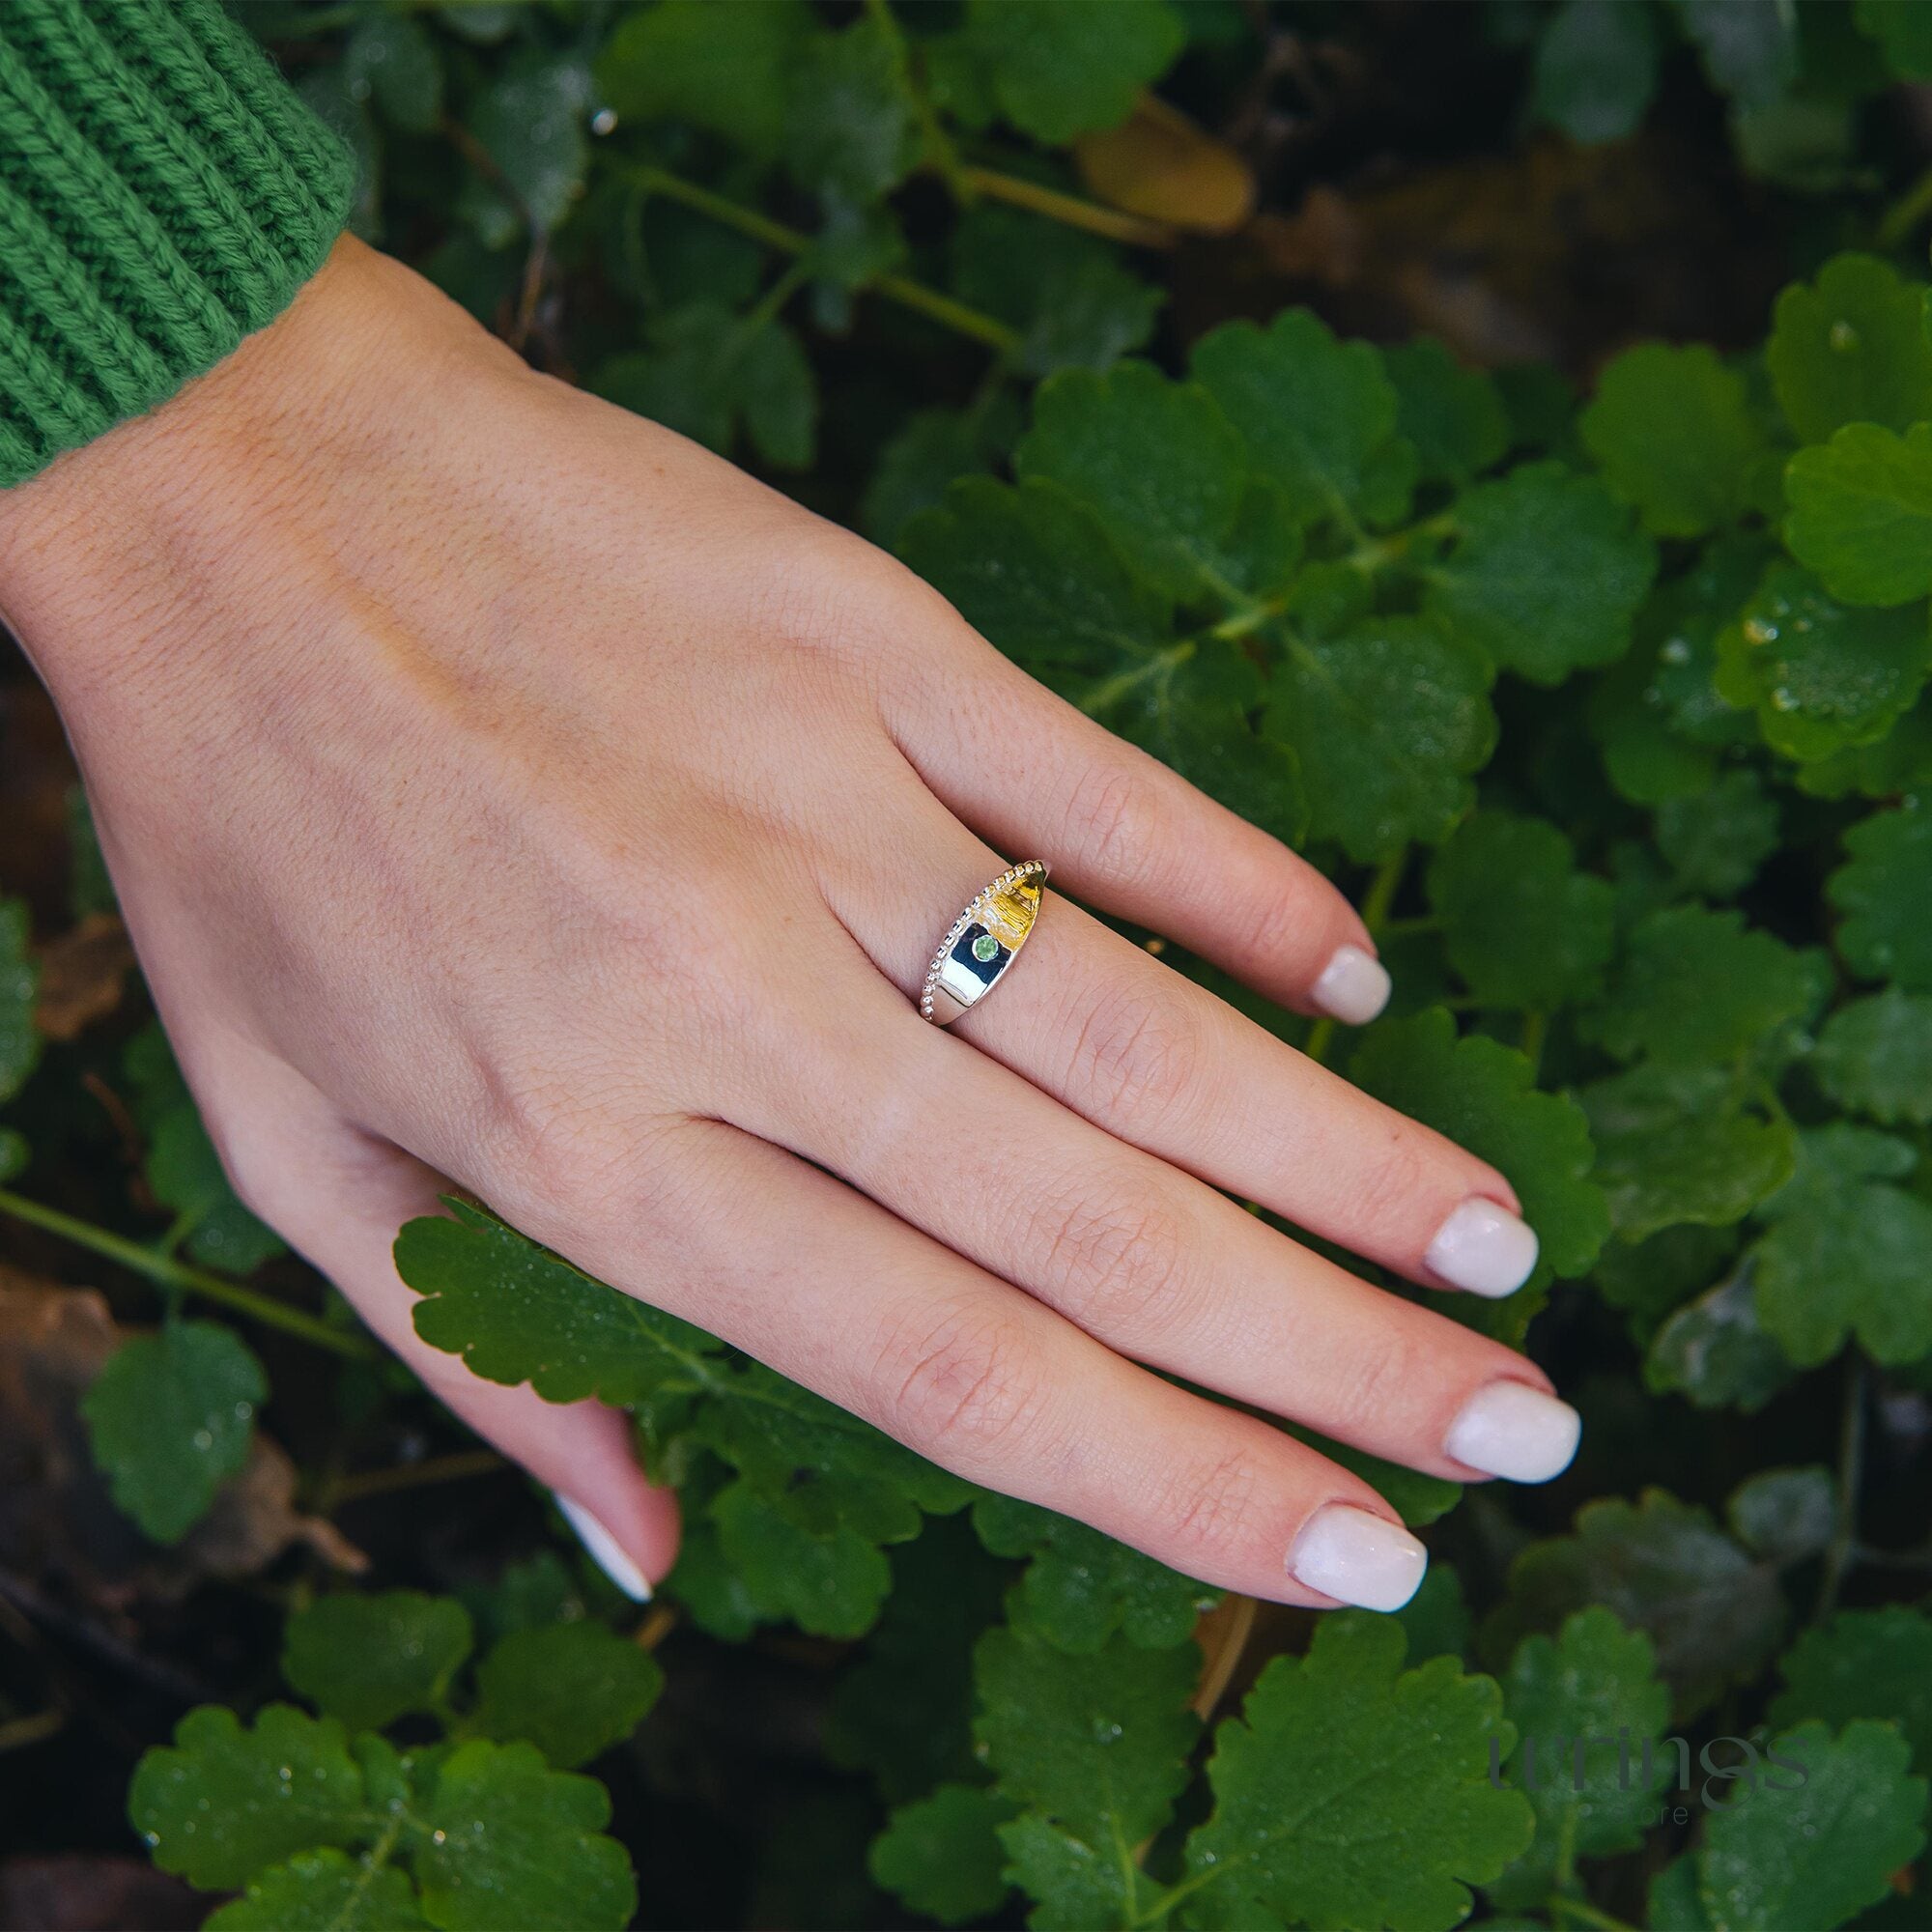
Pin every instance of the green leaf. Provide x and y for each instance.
(941, 1856)
(1056, 70)
(1453, 415)
(513, 1846)
(1388, 721)
(1675, 435)
(1895, 765)
(1658, 713)
(904, 1711)
(1436, 1620)
(1070, 296)
(19, 980)
(1596, 69)
(1082, 1587)
(1903, 32)
(517, 1313)
(1594, 1684)
(1715, 841)
(1482, 1096)
(1845, 1253)
(391, 58)
(827, 1577)
(1075, 1885)
(850, 132)
(1885, 892)
(1655, 1274)
(1826, 1844)
(1861, 512)
(530, 120)
(1822, 677)
(369, 1660)
(727, 69)
(1156, 462)
(1033, 569)
(1697, 986)
(1875, 1057)
(1682, 1144)
(1318, 414)
(1750, 46)
(1863, 1663)
(1326, 1809)
(182, 1170)
(712, 375)
(323, 1890)
(573, 1690)
(1852, 349)
(223, 1803)
(1785, 1514)
(933, 449)
(1714, 1351)
(1713, 1609)
(170, 1417)
(1546, 574)
(1523, 927)
(1097, 1744)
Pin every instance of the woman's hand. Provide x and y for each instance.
(498, 786)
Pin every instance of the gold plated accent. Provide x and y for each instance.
(981, 943)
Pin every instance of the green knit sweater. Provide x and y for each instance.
(162, 194)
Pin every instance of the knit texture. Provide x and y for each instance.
(162, 194)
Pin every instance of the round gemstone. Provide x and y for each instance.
(985, 949)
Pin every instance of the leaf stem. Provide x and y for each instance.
(1841, 1551)
(1896, 223)
(1070, 211)
(17, 1732)
(452, 1468)
(1585, 1913)
(1535, 1030)
(169, 1274)
(956, 316)
(1382, 888)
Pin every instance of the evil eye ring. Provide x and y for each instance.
(982, 944)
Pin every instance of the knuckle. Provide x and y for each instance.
(1374, 1392)
(1120, 1263)
(1210, 1507)
(1278, 921)
(1141, 1059)
(1113, 820)
(1391, 1183)
(958, 1380)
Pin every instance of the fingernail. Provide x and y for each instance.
(1357, 1559)
(1484, 1248)
(1512, 1430)
(605, 1551)
(1353, 986)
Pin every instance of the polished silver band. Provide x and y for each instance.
(983, 941)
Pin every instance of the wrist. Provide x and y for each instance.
(105, 555)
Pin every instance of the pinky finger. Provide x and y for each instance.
(339, 1197)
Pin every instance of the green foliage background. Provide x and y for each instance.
(1612, 717)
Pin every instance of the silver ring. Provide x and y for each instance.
(982, 943)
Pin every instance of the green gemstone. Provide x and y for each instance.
(985, 948)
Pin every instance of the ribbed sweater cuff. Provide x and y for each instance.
(162, 194)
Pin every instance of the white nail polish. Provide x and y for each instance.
(1512, 1430)
(1484, 1248)
(1357, 1559)
(604, 1551)
(1353, 986)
